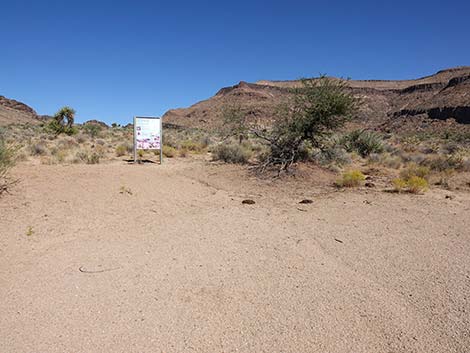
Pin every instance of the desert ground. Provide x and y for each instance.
(165, 258)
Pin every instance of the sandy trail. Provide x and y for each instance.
(183, 266)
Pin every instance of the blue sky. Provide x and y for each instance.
(111, 60)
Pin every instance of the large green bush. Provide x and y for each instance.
(317, 109)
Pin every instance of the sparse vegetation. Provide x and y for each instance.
(29, 231)
(7, 160)
(414, 184)
(352, 178)
(414, 170)
(121, 150)
(363, 142)
(92, 129)
(169, 152)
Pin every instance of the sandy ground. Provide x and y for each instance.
(173, 262)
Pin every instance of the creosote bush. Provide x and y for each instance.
(232, 153)
(352, 178)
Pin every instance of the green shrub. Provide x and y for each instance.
(232, 153)
(363, 142)
(352, 178)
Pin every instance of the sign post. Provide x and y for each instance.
(148, 135)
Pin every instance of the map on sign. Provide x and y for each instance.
(148, 133)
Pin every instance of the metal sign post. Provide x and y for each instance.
(148, 135)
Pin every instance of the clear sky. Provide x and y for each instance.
(111, 60)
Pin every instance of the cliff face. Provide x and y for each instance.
(442, 96)
(14, 112)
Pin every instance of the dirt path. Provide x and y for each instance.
(171, 261)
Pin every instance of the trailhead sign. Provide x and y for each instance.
(147, 134)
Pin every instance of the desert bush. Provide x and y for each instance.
(193, 146)
(413, 170)
(334, 155)
(205, 141)
(352, 178)
(399, 184)
(38, 149)
(7, 160)
(386, 160)
(363, 142)
(87, 157)
(442, 163)
(61, 156)
(56, 128)
(466, 165)
(92, 130)
(169, 151)
(183, 152)
(232, 153)
(449, 148)
(317, 109)
(67, 143)
(121, 150)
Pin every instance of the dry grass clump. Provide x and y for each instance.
(413, 179)
(386, 160)
(121, 150)
(415, 170)
(194, 146)
(351, 178)
(86, 156)
(414, 185)
(169, 152)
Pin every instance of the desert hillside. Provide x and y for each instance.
(442, 96)
(14, 112)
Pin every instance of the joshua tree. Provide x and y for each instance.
(65, 116)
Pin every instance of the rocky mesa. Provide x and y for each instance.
(387, 104)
